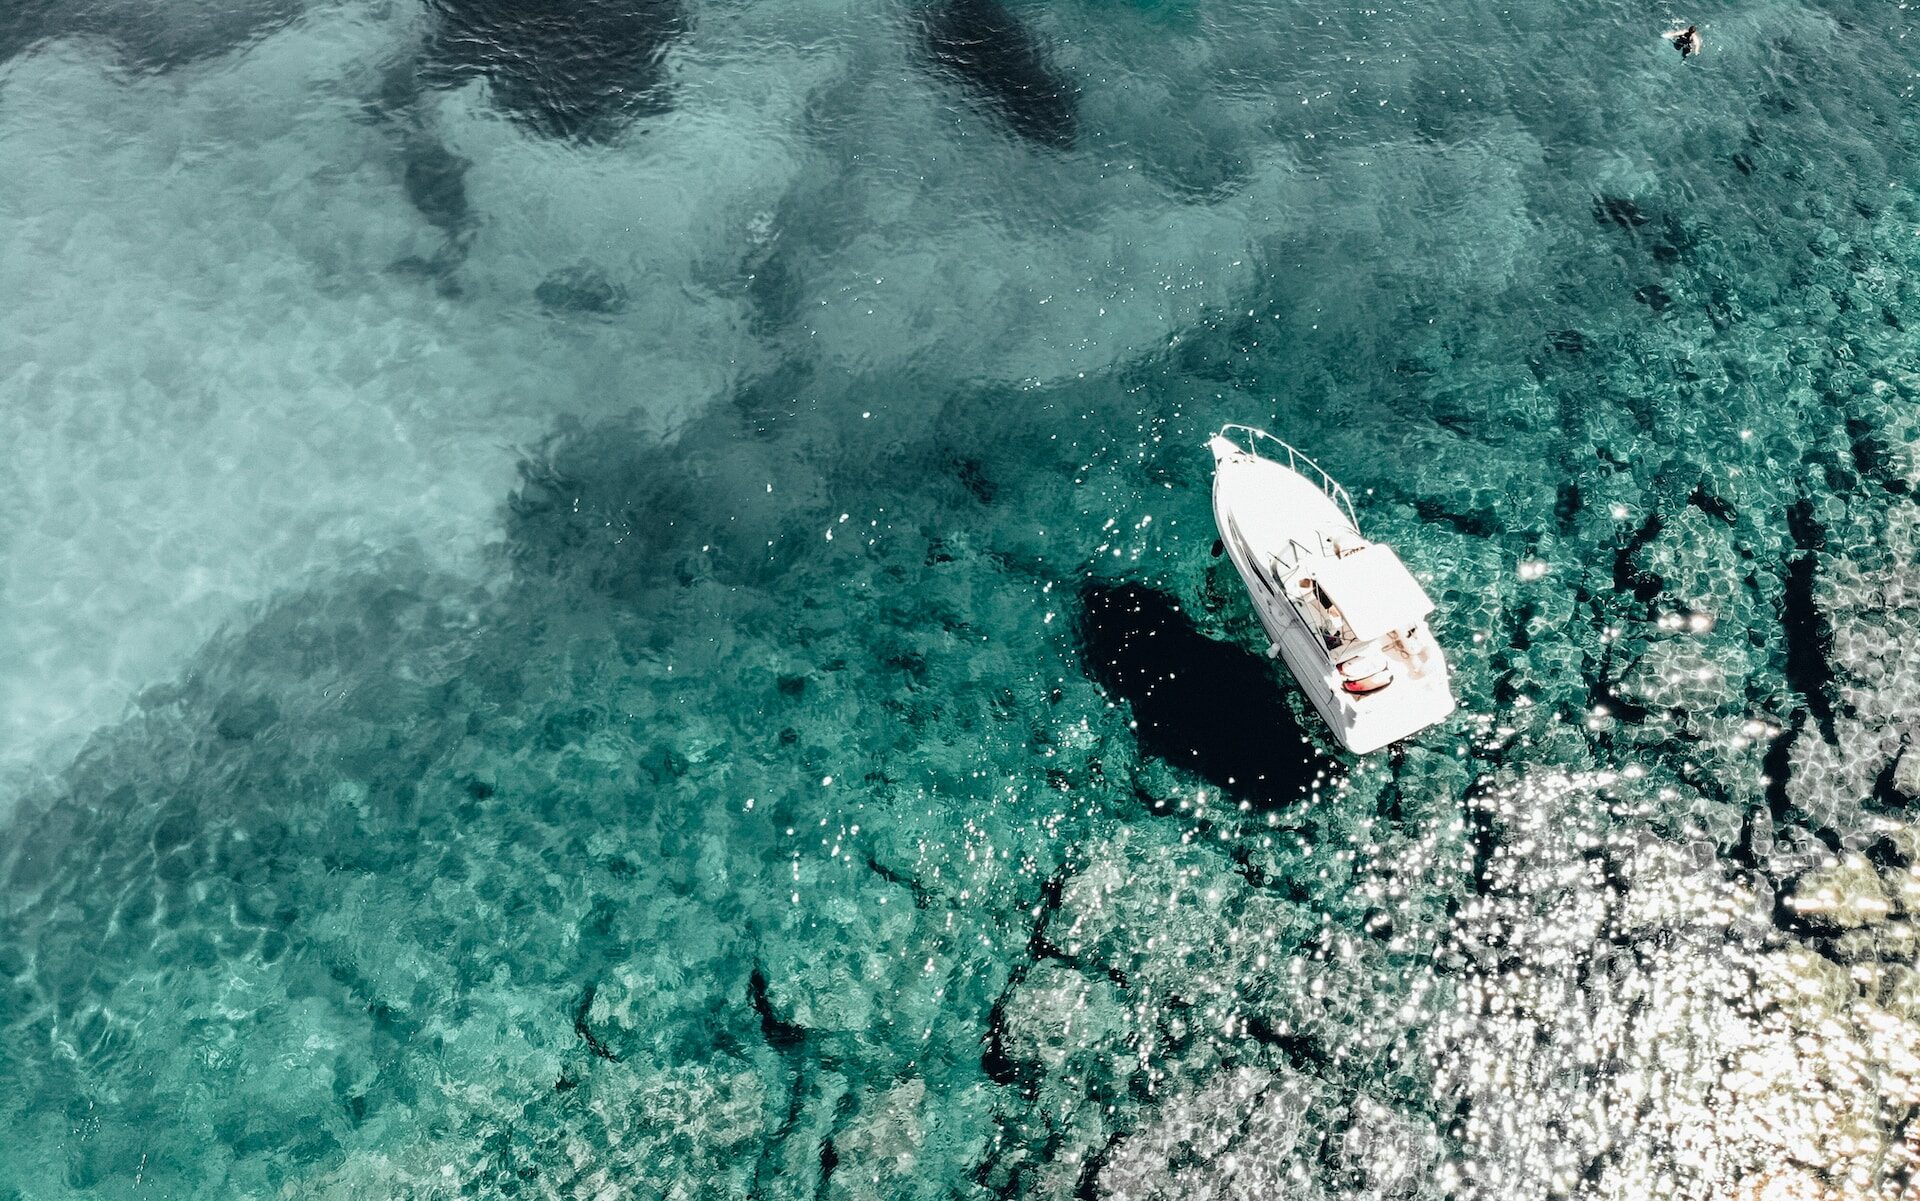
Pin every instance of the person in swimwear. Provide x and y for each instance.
(1686, 41)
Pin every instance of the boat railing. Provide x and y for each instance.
(1296, 461)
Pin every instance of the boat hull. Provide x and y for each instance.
(1275, 524)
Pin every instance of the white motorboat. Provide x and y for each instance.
(1345, 613)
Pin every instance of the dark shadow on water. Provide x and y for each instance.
(1206, 706)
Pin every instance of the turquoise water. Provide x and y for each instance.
(617, 600)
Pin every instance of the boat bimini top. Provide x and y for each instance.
(1373, 590)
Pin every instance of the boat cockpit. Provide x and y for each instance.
(1366, 609)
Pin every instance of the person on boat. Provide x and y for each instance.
(1325, 620)
(1686, 41)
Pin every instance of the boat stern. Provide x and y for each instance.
(1419, 705)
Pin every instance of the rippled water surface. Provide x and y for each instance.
(615, 598)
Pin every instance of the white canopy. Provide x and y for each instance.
(1374, 591)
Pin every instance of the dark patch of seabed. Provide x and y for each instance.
(145, 36)
(575, 70)
(1000, 62)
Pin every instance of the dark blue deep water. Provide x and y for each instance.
(615, 598)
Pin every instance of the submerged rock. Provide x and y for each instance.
(1845, 896)
(576, 70)
(146, 37)
(994, 56)
(1618, 210)
(1906, 773)
(580, 289)
(1247, 1132)
(435, 180)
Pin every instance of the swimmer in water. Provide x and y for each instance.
(1686, 41)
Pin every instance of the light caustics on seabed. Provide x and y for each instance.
(617, 598)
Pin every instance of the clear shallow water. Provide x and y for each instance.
(447, 754)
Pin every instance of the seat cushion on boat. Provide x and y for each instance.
(1362, 664)
(1367, 671)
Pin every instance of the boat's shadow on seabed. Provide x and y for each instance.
(1208, 707)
